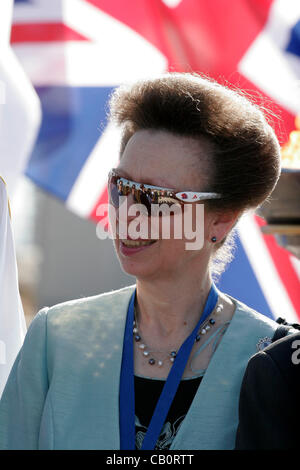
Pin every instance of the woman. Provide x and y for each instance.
(92, 371)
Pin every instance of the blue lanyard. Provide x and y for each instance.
(127, 399)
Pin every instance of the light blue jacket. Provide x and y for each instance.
(63, 390)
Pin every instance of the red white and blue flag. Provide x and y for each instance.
(76, 52)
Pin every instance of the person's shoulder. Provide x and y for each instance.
(85, 308)
(283, 356)
(284, 346)
(95, 300)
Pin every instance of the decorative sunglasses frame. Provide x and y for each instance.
(155, 194)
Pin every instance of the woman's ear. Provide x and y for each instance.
(221, 224)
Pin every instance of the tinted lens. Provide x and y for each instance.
(145, 196)
(113, 191)
(145, 200)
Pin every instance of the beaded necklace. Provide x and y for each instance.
(171, 356)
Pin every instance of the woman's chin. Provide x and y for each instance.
(140, 271)
(135, 260)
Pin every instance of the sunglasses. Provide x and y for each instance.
(149, 195)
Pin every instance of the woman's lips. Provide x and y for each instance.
(130, 247)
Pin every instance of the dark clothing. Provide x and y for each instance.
(269, 408)
(147, 393)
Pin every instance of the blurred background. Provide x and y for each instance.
(59, 62)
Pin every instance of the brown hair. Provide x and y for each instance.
(246, 152)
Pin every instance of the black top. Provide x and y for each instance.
(147, 392)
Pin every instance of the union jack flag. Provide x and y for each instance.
(77, 51)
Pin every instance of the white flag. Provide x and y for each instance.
(20, 113)
(20, 117)
(12, 320)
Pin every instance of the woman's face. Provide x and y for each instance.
(162, 159)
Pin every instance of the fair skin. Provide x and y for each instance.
(172, 282)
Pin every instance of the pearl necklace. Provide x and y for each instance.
(207, 325)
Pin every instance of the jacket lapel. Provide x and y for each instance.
(212, 419)
(111, 382)
(106, 419)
